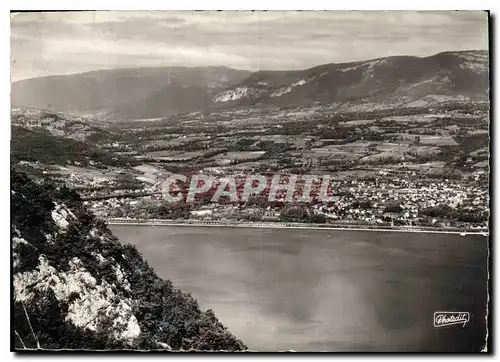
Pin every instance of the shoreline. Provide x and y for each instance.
(258, 225)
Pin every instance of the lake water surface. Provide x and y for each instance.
(325, 290)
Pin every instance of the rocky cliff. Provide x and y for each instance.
(76, 287)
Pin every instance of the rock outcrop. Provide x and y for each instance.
(77, 287)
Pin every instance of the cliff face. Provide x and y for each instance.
(76, 287)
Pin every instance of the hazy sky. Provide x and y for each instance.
(62, 43)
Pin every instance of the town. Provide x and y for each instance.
(416, 166)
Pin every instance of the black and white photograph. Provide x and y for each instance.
(250, 181)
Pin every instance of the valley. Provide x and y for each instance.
(420, 157)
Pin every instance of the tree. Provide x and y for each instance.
(393, 208)
(317, 219)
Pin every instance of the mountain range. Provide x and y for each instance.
(159, 92)
(134, 93)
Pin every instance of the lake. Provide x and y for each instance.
(325, 290)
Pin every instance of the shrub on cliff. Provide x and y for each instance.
(77, 287)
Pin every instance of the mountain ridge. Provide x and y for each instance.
(467, 74)
(104, 90)
(160, 92)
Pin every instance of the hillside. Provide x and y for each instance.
(166, 102)
(398, 80)
(107, 90)
(42, 146)
(77, 287)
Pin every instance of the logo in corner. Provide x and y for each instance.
(442, 319)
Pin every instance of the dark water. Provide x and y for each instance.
(318, 290)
